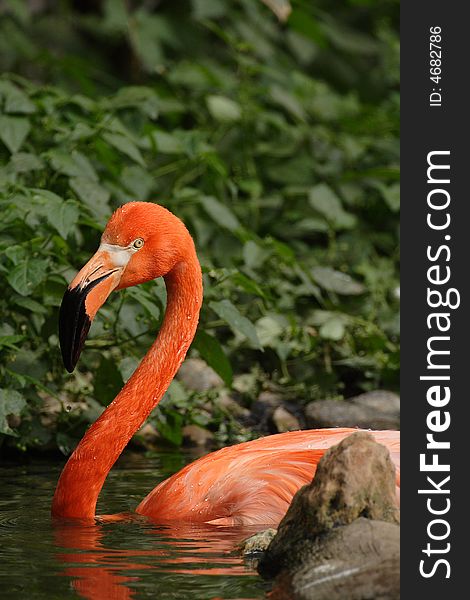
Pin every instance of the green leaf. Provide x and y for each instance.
(145, 300)
(170, 425)
(224, 109)
(23, 162)
(208, 9)
(31, 305)
(116, 17)
(85, 103)
(311, 224)
(13, 132)
(293, 171)
(326, 202)
(254, 255)
(62, 215)
(167, 143)
(27, 275)
(307, 25)
(336, 281)
(212, 352)
(333, 329)
(220, 213)
(146, 35)
(46, 199)
(16, 253)
(84, 166)
(143, 98)
(92, 194)
(64, 218)
(11, 403)
(127, 366)
(126, 146)
(237, 322)
(350, 40)
(390, 193)
(28, 363)
(107, 381)
(137, 181)
(248, 284)
(81, 131)
(270, 328)
(332, 324)
(66, 443)
(11, 341)
(15, 100)
(190, 75)
(288, 101)
(176, 395)
(73, 165)
(358, 362)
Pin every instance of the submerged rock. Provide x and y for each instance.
(372, 410)
(340, 537)
(358, 561)
(258, 542)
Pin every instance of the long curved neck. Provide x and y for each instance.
(86, 470)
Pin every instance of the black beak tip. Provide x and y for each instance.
(74, 325)
(70, 367)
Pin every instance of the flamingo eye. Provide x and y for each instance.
(138, 243)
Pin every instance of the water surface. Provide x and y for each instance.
(135, 559)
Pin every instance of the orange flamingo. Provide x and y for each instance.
(247, 484)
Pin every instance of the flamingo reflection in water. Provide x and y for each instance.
(101, 570)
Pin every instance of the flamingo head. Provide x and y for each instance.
(142, 241)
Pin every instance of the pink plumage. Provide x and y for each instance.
(251, 483)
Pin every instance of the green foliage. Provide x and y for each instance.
(277, 144)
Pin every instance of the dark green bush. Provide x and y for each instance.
(276, 143)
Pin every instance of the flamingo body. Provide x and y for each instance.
(251, 483)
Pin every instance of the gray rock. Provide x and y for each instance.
(196, 375)
(263, 408)
(258, 542)
(340, 537)
(360, 561)
(148, 434)
(269, 399)
(283, 420)
(193, 435)
(372, 410)
(380, 400)
(229, 404)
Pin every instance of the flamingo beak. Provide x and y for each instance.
(83, 298)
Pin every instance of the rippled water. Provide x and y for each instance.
(130, 559)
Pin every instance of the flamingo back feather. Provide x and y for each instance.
(251, 483)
